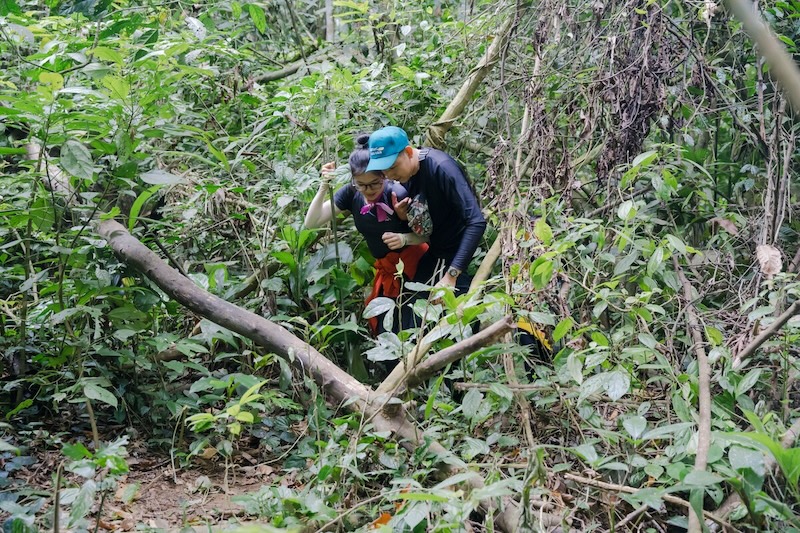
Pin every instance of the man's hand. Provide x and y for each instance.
(446, 281)
(394, 241)
(401, 207)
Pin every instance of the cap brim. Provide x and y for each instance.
(381, 163)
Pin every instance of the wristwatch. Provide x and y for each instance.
(454, 272)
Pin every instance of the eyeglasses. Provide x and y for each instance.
(371, 186)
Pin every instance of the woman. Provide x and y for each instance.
(441, 205)
(368, 198)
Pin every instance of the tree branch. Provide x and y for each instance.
(781, 63)
(442, 358)
(437, 130)
(703, 383)
(762, 337)
(396, 378)
(631, 490)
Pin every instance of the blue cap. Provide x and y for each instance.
(384, 147)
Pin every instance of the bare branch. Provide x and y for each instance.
(703, 383)
(781, 63)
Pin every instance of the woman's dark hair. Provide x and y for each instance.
(359, 158)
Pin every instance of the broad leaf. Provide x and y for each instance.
(77, 160)
(96, 392)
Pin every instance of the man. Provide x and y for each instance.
(441, 204)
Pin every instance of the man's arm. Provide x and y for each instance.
(460, 196)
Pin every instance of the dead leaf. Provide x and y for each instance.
(202, 483)
(769, 259)
(382, 520)
(725, 224)
(208, 452)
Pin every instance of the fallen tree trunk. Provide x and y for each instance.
(339, 386)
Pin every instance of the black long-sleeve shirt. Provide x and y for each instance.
(458, 223)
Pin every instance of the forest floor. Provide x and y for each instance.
(156, 494)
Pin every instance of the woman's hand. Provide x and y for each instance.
(394, 241)
(326, 174)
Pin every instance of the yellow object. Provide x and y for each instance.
(540, 335)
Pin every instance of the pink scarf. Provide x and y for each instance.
(382, 212)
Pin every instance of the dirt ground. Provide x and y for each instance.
(156, 496)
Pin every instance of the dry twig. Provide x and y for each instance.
(703, 383)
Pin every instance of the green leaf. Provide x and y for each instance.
(627, 211)
(714, 335)
(702, 478)
(107, 54)
(136, 208)
(76, 451)
(161, 177)
(650, 496)
(624, 264)
(600, 339)
(562, 328)
(83, 502)
(742, 458)
(669, 429)
(542, 231)
(6, 447)
(474, 447)
(378, 306)
(785, 511)
(677, 244)
(575, 368)
(24, 404)
(258, 17)
(9, 7)
(286, 258)
(541, 271)
(42, 215)
(788, 41)
(648, 340)
(748, 381)
(635, 426)
(111, 214)
(96, 392)
(471, 403)
(422, 496)
(251, 394)
(52, 80)
(644, 159)
(432, 397)
(669, 179)
(655, 261)
(617, 384)
(501, 391)
(117, 87)
(246, 417)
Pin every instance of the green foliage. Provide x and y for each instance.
(161, 116)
